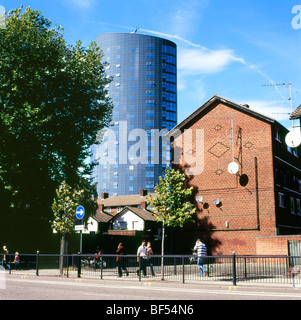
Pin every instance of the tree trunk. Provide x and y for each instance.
(162, 251)
(62, 251)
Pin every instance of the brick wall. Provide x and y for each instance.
(234, 225)
(274, 245)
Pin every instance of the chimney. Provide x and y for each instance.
(104, 195)
(143, 192)
(143, 205)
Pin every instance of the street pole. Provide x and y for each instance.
(81, 242)
(162, 250)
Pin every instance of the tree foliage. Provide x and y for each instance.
(52, 104)
(63, 207)
(170, 201)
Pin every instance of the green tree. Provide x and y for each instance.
(170, 203)
(64, 206)
(53, 102)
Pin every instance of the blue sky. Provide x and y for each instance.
(226, 47)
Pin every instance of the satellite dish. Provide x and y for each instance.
(233, 168)
(216, 201)
(199, 199)
(293, 139)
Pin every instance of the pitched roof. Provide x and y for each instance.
(296, 114)
(244, 108)
(116, 201)
(142, 213)
(101, 216)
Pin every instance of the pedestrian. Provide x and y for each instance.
(16, 261)
(141, 258)
(201, 251)
(120, 260)
(4, 261)
(149, 253)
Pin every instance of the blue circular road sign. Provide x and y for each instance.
(80, 212)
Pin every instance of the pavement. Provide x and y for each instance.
(200, 284)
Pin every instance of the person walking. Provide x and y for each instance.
(201, 251)
(149, 253)
(120, 260)
(141, 258)
(16, 261)
(4, 261)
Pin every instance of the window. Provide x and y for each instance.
(150, 46)
(292, 204)
(122, 225)
(149, 184)
(150, 64)
(298, 207)
(281, 200)
(135, 225)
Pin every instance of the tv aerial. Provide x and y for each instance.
(293, 138)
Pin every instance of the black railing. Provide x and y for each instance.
(184, 268)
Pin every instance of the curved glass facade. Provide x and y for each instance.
(144, 94)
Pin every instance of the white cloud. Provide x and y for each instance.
(200, 61)
(184, 16)
(83, 4)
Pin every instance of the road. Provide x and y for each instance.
(24, 287)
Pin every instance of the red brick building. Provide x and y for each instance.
(261, 199)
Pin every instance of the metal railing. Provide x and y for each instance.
(184, 268)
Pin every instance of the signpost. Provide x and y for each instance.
(80, 212)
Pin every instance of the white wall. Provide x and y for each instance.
(133, 222)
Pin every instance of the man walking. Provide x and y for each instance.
(141, 258)
(201, 251)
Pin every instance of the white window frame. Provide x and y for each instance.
(281, 200)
